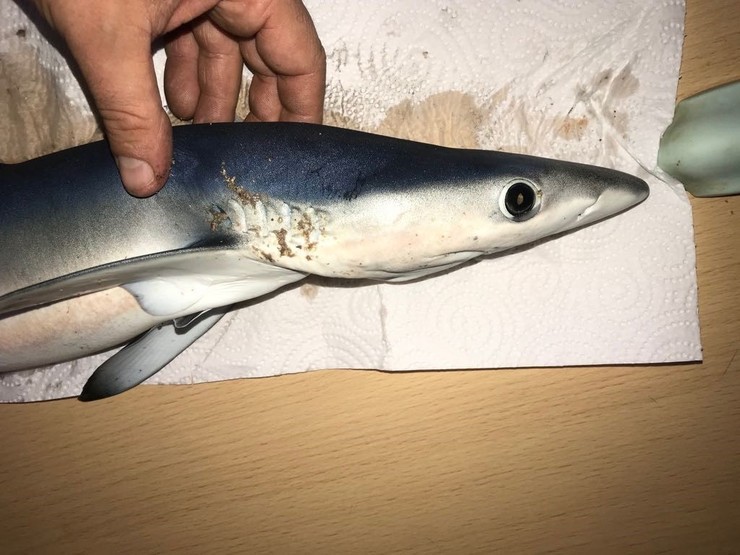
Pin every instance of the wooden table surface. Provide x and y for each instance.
(623, 458)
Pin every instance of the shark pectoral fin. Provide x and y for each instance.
(186, 286)
(147, 355)
(114, 274)
(169, 284)
(165, 296)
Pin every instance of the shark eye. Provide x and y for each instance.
(520, 200)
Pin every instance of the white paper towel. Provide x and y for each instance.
(588, 81)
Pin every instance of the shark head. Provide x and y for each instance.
(536, 198)
(499, 201)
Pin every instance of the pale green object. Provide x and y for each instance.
(701, 147)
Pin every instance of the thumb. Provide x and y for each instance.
(113, 50)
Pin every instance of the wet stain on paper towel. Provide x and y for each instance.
(35, 109)
(309, 291)
(572, 128)
(450, 118)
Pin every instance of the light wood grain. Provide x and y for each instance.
(637, 459)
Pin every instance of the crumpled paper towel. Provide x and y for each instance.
(589, 81)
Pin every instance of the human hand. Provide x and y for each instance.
(207, 42)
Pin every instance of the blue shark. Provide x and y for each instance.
(247, 210)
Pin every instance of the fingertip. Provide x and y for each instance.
(143, 156)
(137, 176)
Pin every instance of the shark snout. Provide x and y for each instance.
(615, 198)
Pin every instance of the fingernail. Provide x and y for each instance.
(137, 176)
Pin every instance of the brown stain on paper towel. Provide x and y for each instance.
(36, 115)
(449, 118)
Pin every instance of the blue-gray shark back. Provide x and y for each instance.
(251, 207)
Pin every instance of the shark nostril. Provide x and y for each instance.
(519, 200)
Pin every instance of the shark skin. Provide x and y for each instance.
(248, 209)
